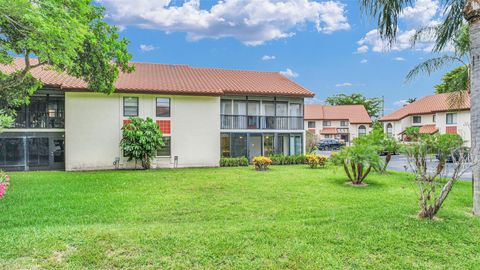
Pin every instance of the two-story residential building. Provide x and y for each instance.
(342, 122)
(435, 113)
(204, 113)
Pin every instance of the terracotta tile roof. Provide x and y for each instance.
(428, 129)
(355, 114)
(180, 79)
(427, 105)
(329, 131)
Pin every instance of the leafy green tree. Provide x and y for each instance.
(454, 81)
(68, 36)
(141, 140)
(382, 143)
(372, 105)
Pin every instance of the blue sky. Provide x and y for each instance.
(327, 46)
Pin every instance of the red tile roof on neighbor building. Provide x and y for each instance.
(431, 104)
(355, 114)
(428, 129)
(180, 80)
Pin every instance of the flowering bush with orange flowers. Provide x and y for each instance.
(261, 163)
(314, 160)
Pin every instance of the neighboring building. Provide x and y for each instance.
(342, 122)
(203, 112)
(431, 114)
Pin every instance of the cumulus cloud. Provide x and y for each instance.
(146, 47)
(399, 59)
(289, 73)
(363, 61)
(423, 13)
(268, 57)
(253, 22)
(345, 84)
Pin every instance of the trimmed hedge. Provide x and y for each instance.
(288, 160)
(234, 162)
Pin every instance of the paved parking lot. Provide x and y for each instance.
(399, 163)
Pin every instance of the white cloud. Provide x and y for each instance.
(398, 58)
(289, 73)
(253, 22)
(146, 47)
(400, 103)
(422, 13)
(364, 61)
(268, 57)
(345, 84)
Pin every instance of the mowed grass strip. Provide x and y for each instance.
(230, 218)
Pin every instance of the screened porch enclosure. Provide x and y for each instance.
(251, 145)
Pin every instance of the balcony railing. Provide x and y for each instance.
(261, 122)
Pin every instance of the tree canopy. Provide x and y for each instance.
(372, 105)
(68, 36)
(453, 81)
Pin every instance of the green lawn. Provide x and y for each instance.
(288, 217)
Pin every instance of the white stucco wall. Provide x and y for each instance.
(93, 122)
(463, 124)
(352, 128)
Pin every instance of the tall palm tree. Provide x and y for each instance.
(387, 13)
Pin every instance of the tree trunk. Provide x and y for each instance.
(472, 15)
(388, 157)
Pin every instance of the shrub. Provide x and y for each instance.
(357, 161)
(430, 177)
(261, 163)
(314, 160)
(280, 159)
(4, 182)
(141, 140)
(233, 162)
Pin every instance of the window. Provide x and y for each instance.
(225, 144)
(328, 136)
(239, 107)
(130, 106)
(253, 108)
(362, 131)
(434, 118)
(268, 108)
(343, 123)
(327, 123)
(417, 119)
(282, 109)
(166, 149)
(389, 129)
(226, 107)
(295, 109)
(163, 107)
(451, 118)
(311, 124)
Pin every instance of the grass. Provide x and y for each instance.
(289, 217)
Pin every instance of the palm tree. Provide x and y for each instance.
(387, 13)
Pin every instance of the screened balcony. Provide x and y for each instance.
(261, 114)
(44, 111)
(261, 122)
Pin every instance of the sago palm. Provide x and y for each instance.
(387, 12)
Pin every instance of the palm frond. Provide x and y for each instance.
(431, 65)
(386, 12)
(451, 23)
(456, 100)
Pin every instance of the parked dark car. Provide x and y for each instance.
(329, 144)
(455, 156)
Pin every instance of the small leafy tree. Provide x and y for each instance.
(141, 140)
(383, 144)
(357, 161)
(431, 175)
(311, 141)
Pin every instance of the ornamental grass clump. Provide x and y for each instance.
(315, 161)
(4, 183)
(261, 163)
